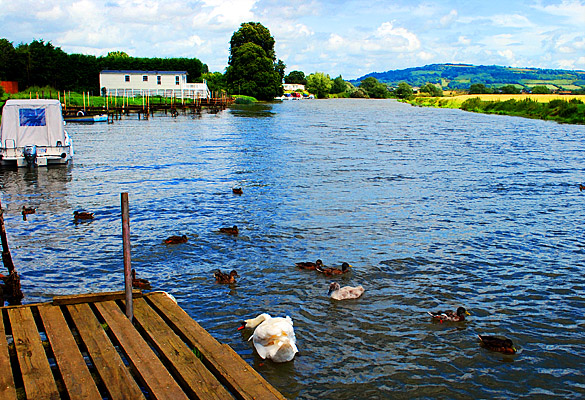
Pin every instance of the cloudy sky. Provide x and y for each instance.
(346, 37)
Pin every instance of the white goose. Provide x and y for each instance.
(343, 293)
(273, 338)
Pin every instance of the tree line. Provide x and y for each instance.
(41, 64)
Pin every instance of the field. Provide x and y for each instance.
(456, 101)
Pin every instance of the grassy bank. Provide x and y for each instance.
(565, 109)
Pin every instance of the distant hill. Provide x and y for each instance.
(460, 76)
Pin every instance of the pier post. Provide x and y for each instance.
(127, 266)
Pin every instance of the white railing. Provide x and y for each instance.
(186, 93)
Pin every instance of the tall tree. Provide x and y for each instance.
(253, 69)
(404, 90)
(297, 77)
(432, 89)
(319, 84)
(374, 88)
(8, 62)
(339, 85)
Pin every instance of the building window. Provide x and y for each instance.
(144, 78)
(159, 80)
(177, 80)
(127, 78)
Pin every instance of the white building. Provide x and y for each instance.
(151, 83)
(292, 87)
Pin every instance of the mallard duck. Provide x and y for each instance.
(499, 344)
(27, 210)
(334, 271)
(82, 215)
(451, 316)
(310, 264)
(139, 283)
(222, 277)
(273, 338)
(176, 239)
(230, 231)
(237, 190)
(344, 293)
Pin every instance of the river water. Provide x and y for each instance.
(433, 208)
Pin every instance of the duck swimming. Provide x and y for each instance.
(310, 264)
(334, 271)
(176, 239)
(273, 338)
(222, 277)
(139, 283)
(79, 215)
(237, 190)
(501, 345)
(451, 316)
(230, 231)
(26, 211)
(344, 293)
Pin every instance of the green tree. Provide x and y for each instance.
(8, 61)
(319, 84)
(215, 81)
(479, 88)
(252, 68)
(374, 88)
(509, 89)
(404, 91)
(432, 89)
(297, 77)
(118, 54)
(541, 89)
(339, 85)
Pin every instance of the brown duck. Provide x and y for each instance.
(451, 316)
(26, 211)
(82, 215)
(176, 239)
(493, 343)
(222, 277)
(140, 283)
(334, 271)
(237, 190)
(310, 265)
(230, 231)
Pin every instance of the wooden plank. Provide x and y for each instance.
(108, 363)
(7, 387)
(152, 371)
(93, 297)
(243, 380)
(37, 376)
(194, 374)
(74, 371)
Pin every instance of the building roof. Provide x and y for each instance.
(112, 71)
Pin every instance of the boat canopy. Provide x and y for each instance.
(32, 122)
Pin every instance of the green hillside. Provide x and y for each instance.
(461, 76)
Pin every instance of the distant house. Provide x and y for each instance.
(151, 83)
(292, 87)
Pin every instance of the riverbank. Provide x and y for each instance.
(559, 108)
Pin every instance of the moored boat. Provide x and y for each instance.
(81, 117)
(33, 134)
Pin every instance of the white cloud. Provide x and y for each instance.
(572, 10)
(449, 18)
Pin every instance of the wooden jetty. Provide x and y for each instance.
(84, 347)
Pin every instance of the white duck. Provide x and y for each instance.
(273, 338)
(343, 293)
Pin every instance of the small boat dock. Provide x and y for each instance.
(84, 347)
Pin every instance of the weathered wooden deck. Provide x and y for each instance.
(84, 347)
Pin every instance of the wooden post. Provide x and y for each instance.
(12, 282)
(127, 266)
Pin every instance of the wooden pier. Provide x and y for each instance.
(84, 347)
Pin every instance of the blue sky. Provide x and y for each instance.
(349, 38)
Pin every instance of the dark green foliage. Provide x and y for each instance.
(540, 90)
(253, 69)
(373, 88)
(509, 89)
(297, 77)
(215, 81)
(339, 85)
(479, 88)
(404, 91)
(431, 89)
(572, 112)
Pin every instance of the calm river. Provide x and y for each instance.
(434, 209)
